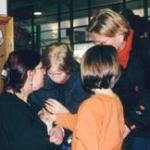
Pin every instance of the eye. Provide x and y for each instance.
(103, 43)
(100, 43)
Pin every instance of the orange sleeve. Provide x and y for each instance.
(86, 129)
(67, 121)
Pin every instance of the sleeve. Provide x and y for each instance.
(3, 140)
(26, 131)
(146, 51)
(140, 114)
(87, 130)
(67, 121)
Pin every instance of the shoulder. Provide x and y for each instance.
(93, 102)
(6, 98)
(100, 101)
(75, 76)
(93, 106)
(141, 48)
(141, 44)
(7, 102)
(75, 83)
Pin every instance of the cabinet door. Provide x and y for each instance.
(6, 26)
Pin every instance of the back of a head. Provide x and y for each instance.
(60, 55)
(17, 65)
(100, 67)
(109, 23)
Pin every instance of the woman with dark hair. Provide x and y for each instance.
(99, 122)
(20, 127)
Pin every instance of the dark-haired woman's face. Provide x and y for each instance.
(38, 76)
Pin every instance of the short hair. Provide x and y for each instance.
(59, 54)
(109, 23)
(17, 65)
(100, 67)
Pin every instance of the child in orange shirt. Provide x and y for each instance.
(99, 122)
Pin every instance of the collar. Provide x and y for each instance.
(124, 54)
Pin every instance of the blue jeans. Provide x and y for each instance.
(136, 143)
(66, 147)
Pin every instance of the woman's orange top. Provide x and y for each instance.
(98, 125)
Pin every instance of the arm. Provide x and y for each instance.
(87, 130)
(60, 114)
(67, 121)
(24, 130)
(131, 88)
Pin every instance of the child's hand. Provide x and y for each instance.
(55, 107)
(46, 116)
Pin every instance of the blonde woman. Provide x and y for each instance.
(108, 27)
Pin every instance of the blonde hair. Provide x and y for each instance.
(58, 54)
(109, 23)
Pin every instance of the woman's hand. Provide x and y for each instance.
(55, 107)
(56, 135)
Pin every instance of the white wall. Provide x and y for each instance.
(3, 7)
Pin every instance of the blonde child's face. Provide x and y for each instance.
(57, 76)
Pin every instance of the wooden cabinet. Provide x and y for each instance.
(6, 27)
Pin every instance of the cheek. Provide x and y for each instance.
(38, 82)
(56, 81)
(59, 80)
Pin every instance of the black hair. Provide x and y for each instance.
(17, 65)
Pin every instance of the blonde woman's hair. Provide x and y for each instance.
(109, 23)
(59, 54)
